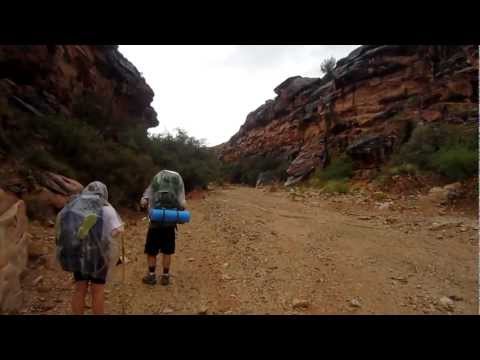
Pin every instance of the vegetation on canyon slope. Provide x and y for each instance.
(125, 162)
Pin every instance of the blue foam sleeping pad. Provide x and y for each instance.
(170, 216)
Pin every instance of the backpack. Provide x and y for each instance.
(166, 186)
(79, 240)
(165, 200)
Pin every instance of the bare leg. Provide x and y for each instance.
(166, 260)
(151, 260)
(98, 298)
(78, 298)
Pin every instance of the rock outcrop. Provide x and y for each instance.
(364, 108)
(13, 251)
(51, 79)
(44, 192)
(92, 83)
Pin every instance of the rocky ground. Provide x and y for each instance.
(271, 251)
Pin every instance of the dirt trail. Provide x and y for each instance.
(249, 251)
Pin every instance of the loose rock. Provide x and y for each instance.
(37, 280)
(203, 310)
(355, 303)
(446, 303)
(300, 304)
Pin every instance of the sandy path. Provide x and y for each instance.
(249, 251)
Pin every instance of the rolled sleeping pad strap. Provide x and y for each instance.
(170, 216)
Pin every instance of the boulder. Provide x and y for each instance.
(43, 204)
(52, 194)
(6, 201)
(446, 194)
(13, 253)
(59, 184)
(293, 85)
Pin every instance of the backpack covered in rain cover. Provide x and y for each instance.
(79, 236)
(167, 192)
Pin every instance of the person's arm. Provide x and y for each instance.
(117, 231)
(181, 196)
(112, 227)
(113, 222)
(183, 205)
(146, 197)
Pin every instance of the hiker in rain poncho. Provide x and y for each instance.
(85, 232)
(165, 191)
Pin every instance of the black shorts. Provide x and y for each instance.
(160, 239)
(97, 279)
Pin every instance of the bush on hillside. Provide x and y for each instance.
(126, 163)
(247, 170)
(403, 169)
(446, 149)
(340, 168)
(456, 162)
(336, 187)
(328, 65)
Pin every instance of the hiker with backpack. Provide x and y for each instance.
(166, 191)
(85, 237)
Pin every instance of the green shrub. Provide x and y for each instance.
(382, 179)
(125, 162)
(247, 170)
(340, 168)
(197, 164)
(328, 65)
(44, 160)
(446, 149)
(336, 186)
(403, 169)
(456, 162)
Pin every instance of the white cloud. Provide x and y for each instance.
(208, 90)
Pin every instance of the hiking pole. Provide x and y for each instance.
(123, 274)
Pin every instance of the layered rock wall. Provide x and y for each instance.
(65, 79)
(364, 107)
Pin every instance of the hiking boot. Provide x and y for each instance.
(165, 280)
(150, 279)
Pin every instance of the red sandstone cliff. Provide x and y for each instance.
(70, 81)
(363, 109)
(58, 79)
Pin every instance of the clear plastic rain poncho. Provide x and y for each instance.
(166, 182)
(84, 233)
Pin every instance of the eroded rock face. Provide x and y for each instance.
(59, 184)
(59, 79)
(13, 251)
(44, 193)
(375, 94)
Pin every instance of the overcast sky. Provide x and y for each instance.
(208, 90)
